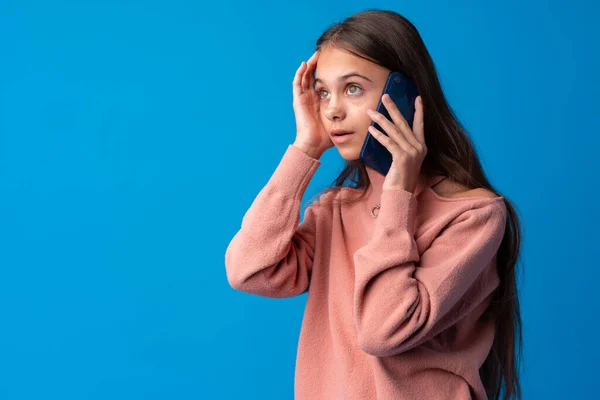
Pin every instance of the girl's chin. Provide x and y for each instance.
(349, 154)
(350, 150)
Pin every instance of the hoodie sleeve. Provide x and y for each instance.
(402, 300)
(272, 255)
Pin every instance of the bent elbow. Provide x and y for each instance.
(390, 334)
(376, 346)
(373, 347)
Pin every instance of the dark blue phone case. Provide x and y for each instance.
(403, 92)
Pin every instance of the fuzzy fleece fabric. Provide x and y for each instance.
(395, 304)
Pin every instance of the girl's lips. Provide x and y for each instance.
(342, 138)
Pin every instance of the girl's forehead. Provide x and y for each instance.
(338, 56)
(334, 57)
(335, 64)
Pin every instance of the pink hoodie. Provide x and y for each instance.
(395, 303)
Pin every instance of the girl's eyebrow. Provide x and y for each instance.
(348, 75)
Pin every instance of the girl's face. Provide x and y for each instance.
(348, 85)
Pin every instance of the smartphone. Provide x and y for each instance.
(403, 93)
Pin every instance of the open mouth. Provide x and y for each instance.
(341, 137)
(340, 132)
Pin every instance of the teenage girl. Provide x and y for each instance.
(411, 279)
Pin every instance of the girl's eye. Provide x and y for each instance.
(353, 93)
(356, 86)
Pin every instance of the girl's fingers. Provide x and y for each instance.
(386, 141)
(297, 82)
(304, 83)
(311, 80)
(309, 74)
(399, 120)
(418, 122)
(391, 130)
(304, 76)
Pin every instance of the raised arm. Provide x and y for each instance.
(402, 300)
(272, 254)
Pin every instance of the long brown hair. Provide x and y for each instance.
(389, 39)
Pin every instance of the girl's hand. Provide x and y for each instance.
(310, 132)
(407, 146)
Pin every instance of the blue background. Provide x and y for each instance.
(135, 135)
